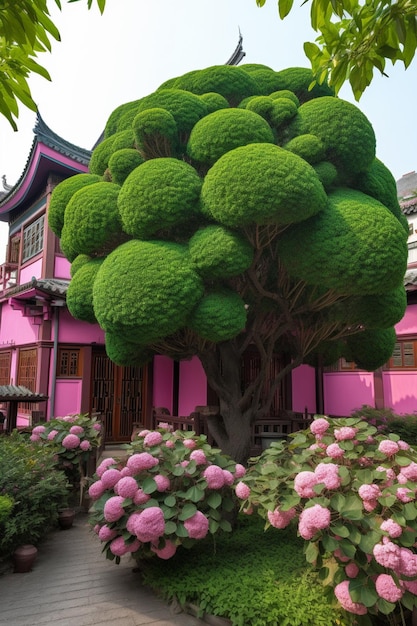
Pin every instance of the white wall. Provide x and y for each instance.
(4, 231)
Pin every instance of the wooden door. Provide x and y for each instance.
(119, 394)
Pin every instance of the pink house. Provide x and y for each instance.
(45, 350)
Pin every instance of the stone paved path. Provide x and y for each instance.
(73, 584)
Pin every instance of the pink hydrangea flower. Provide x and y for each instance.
(143, 433)
(110, 477)
(199, 457)
(388, 447)
(328, 474)
(96, 490)
(35, 437)
(97, 426)
(76, 430)
(369, 492)
(170, 443)
(387, 589)
(214, 477)
(141, 461)
(240, 470)
(38, 430)
(85, 445)
(165, 426)
(135, 545)
(410, 585)
(162, 482)
(167, 551)
(280, 519)
(106, 533)
(197, 526)
(344, 433)
(153, 439)
(370, 505)
(125, 471)
(313, 519)
(140, 497)
(408, 563)
(113, 509)
(352, 570)
(387, 554)
(341, 592)
(104, 465)
(132, 521)
(410, 471)
(229, 479)
(304, 483)
(340, 555)
(319, 426)
(52, 434)
(403, 445)
(334, 451)
(392, 528)
(71, 441)
(126, 487)
(242, 491)
(118, 546)
(404, 494)
(189, 443)
(150, 524)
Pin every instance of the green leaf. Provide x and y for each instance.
(311, 552)
(340, 529)
(188, 511)
(384, 606)
(195, 494)
(410, 511)
(170, 528)
(284, 7)
(149, 485)
(213, 526)
(170, 501)
(214, 500)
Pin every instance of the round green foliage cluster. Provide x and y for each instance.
(205, 191)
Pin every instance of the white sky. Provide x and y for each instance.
(104, 61)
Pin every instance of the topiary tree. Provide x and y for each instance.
(255, 214)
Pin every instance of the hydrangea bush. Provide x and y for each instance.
(352, 495)
(171, 489)
(74, 439)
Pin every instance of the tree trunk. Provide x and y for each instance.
(232, 432)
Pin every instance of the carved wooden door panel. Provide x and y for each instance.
(119, 395)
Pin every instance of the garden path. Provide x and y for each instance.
(73, 584)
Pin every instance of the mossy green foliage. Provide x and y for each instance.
(158, 194)
(62, 194)
(263, 184)
(220, 253)
(224, 130)
(164, 291)
(80, 289)
(124, 352)
(341, 248)
(346, 133)
(270, 188)
(122, 163)
(250, 577)
(78, 262)
(101, 154)
(219, 316)
(370, 348)
(92, 220)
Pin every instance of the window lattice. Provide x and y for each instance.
(5, 359)
(26, 374)
(404, 355)
(33, 239)
(69, 362)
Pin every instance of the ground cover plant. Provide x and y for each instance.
(32, 490)
(351, 494)
(250, 577)
(242, 209)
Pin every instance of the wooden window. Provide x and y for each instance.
(341, 365)
(5, 359)
(14, 249)
(404, 356)
(26, 374)
(33, 239)
(69, 363)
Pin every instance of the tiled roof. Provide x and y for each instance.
(407, 186)
(410, 279)
(51, 139)
(18, 392)
(50, 286)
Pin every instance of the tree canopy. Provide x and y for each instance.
(356, 38)
(26, 30)
(234, 208)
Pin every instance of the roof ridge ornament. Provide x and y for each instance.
(238, 53)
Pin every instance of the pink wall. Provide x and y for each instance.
(67, 397)
(408, 323)
(192, 386)
(345, 392)
(400, 389)
(163, 369)
(74, 331)
(62, 268)
(33, 269)
(15, 328)
(304, 389)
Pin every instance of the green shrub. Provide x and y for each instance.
(250, 577)
(29, 477)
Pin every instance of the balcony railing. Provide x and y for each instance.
(8, 276)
